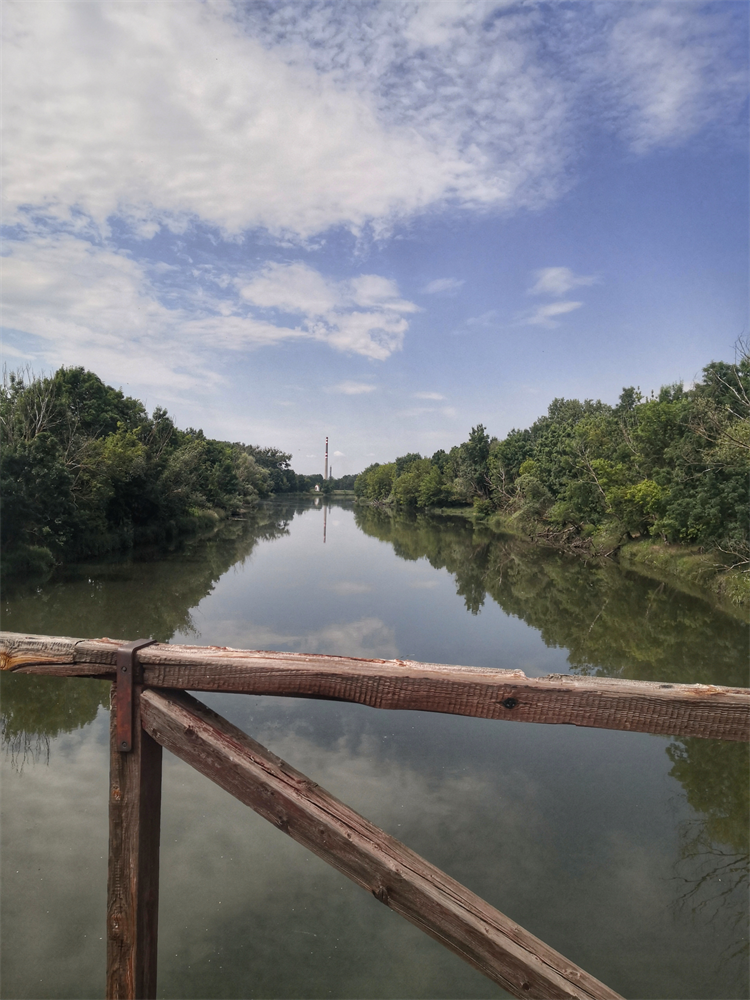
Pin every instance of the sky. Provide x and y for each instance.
(380, 222)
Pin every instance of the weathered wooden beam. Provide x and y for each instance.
(436, 903)
(703, 710)
(133, 870)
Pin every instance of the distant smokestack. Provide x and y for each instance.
(325, 476)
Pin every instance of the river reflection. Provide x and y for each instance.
(628, 859)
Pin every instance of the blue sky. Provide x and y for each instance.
(381, 222)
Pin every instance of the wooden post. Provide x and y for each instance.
(437, 904)
(133, 872)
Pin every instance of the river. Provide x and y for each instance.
(626, 852)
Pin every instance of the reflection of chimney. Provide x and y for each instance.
(325, 475)
(325, 516)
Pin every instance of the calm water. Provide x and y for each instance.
(626, 852)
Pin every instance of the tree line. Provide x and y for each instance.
(85, 470)
(673, 465)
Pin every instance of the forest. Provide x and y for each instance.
(85, 470)
(672, 466)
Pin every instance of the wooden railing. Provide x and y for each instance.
(151, 710)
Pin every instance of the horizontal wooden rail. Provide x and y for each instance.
(438, 905)
(701, 710)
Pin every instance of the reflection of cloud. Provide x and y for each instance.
(369, 637)
(345, 587)
(424, 584)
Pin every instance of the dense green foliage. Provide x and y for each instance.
(674, 466)
(85, 469)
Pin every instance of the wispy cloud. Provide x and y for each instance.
(673, 70)
(364, 315)
(97, 306)
(558, 281)
(488, 318)
(291, 119)
(428, 395)
(443, 285)
(545, 315)
(353, 388)
(432, 103)
(418, 411)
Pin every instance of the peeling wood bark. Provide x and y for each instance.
(424, 895)
(133, 868)
(707, 711)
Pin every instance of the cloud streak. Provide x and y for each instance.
(546, 315)
(558, 281)
(443, 285)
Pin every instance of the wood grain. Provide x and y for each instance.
(426, 896)
(133, 868)
(702, 710)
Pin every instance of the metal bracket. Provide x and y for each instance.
(127, 665)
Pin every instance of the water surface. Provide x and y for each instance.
(626, 852)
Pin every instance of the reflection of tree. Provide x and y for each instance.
(616, 624)
(715, 848)
(149, 593)
(36, 709)
(613, 623)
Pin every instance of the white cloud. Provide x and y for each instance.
(163, 113)
(339, 454)
(672, 72)
(364, 315)
(558, 281)
(296, 118)
(99, 307)
(353, 388)
(488, 318)
(8, 351)
(299, 117)
(443, 285)
(545, 315)
(428, 395)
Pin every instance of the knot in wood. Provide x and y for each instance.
(381, 893)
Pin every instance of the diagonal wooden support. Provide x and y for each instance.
(133, 872)
(438, 905)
